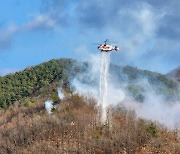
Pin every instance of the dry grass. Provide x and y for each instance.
(75, 128)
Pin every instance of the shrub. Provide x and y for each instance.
(152, 130)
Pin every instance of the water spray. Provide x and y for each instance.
(103, 86)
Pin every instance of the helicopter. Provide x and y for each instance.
(107, 48)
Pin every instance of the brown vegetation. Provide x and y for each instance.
(75, 128)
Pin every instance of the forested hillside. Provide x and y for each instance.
(38, 79)
(29, 82)
(138, 82)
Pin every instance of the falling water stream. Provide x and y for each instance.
(103, 86)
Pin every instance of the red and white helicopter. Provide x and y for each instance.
(107, 48)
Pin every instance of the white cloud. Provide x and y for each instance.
(40, 22)
(7, 36)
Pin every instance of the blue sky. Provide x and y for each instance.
(32, 32)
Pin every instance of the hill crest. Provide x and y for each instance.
(175, 74)
(47, 76)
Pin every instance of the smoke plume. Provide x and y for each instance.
(153, 108)
(49, 106)
(60, 94)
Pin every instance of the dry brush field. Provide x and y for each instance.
(75, 128)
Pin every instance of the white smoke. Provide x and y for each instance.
(93, 74)
(85, 89)
(169, 115)
(153, 108)
(60, 94)
(49, 106)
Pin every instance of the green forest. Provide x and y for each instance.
(28, 82)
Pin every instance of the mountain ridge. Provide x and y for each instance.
(38, 79)
(175, 74)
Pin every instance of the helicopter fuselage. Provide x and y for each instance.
(107, 48)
